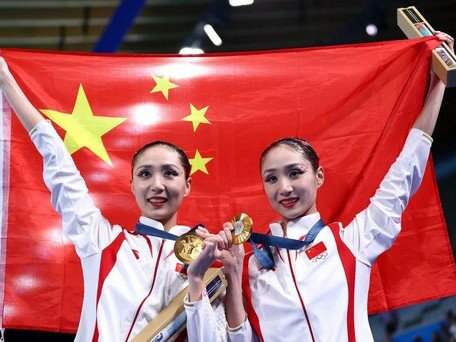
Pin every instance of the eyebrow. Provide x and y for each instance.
(289, 166)
(164, 166)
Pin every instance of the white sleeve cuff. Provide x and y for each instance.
(240, 326)
(195, 305)
(415, 132)
(241, 333)
(44, 125)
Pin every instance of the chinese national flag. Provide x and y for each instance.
(354, 103)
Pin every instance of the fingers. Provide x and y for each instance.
(203, 262)
(446, 38)
(208, 246)
(228, 228)
(224, 239)
(214, 252)
(213, 239)
(210, 251)
(202, 232)
(227, 232)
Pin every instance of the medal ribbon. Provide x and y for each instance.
(265, 256)
(152, 231)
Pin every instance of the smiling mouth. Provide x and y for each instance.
(289, 202)
(157, 201)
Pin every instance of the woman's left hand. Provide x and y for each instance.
(232, 256)
(444, 37)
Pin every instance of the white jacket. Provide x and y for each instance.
(128, 278)
(320, 293)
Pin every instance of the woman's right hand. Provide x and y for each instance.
(202, 263)
(208, 255)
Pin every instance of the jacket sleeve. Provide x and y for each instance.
(375, 229)
(82, 221)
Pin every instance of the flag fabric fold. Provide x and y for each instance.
(354, 103)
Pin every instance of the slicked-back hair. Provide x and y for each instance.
(183, 159)
(296, 144)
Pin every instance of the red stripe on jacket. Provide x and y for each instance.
(253, 318)
(151, 288)
(349, 264)
(107, 262)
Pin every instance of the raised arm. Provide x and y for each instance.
(82, 221)
(428, 117)
(25, 111)
(375, 229)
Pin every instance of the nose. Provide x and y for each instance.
(156, 184)
(285, 186)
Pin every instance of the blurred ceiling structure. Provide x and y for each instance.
(165, 26)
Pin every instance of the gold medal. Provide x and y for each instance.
(243, 226)
(187, 247)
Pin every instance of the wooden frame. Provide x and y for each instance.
(413, 24)
(171, 320)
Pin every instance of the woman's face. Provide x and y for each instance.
(290, 182)
(159, 184)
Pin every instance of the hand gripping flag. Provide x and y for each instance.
(354, 103)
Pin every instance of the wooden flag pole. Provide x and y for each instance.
(413, 24)
(171, 320)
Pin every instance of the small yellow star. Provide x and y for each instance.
(83, 129)
(163, 85)
(199, 163)
(197, 116)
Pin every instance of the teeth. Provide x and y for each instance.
(287, 201)
(157, 200)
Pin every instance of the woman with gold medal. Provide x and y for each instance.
(128, 277)
(319, 293)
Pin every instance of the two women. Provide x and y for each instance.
(311, 296)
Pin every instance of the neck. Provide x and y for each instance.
(312, 210)
(169, 223)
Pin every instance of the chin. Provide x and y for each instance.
(154, 216)
(295, 214)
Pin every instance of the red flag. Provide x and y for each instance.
(355, 104)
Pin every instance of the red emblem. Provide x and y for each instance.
(316, 250)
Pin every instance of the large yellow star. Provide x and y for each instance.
(163, 85)
(199, 163)
(197, 116)
(83, 129)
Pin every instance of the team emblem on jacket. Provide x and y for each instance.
(320, 256)
(317, 252)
